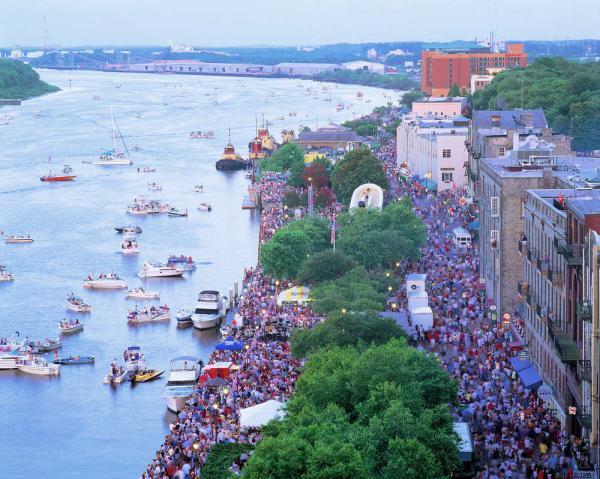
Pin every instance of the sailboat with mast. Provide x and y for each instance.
(115, 157)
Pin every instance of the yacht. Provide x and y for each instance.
(159, 270)
(129, 245)
(149, 315)
(18, 239)
(210, 310)
(5, 275)
(38, 365)
(182, 380)
(105, 281)
(10, 360)
(77, 304)
(141, 293)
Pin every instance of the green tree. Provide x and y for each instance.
(410, 459)
(288, 157)
(411, 96)
(283, 256)
(324, 266)
(454, 91)
(19, 80)
(356, 168)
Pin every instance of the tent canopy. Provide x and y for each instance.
(520, 364)
(297, 294)
(261, 414)
(229, 344)
(530, 378)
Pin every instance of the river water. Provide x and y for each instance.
(74, 426)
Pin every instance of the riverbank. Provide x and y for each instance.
(20, 81)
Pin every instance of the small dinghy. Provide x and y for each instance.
(75, 360)
(176, 212)
(77, 304)
(145, 376)
(198, 189)
(70, 327)
(117, 376)
(204, 207)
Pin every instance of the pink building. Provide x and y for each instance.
(439, 107)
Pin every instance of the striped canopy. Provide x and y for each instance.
(297, 294)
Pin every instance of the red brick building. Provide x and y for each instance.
(441, 70)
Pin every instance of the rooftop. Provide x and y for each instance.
(559, 166)
(509, 119)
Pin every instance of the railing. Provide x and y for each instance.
(571, 252)
(542, 265)
(522, 287)
(584, 311)
(584, 370)
(555, 276)
(564, 344)
(522, 246)
(541, 311)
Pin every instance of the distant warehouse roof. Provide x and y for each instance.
(330, 135)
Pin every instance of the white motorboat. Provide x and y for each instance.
(144, 206)
(10, 360)
(11, 344)
(18, 239)
(204, 207)
(134, 359)
(105, 281)
(154, 187)
(5, 275)
(114, 157)
(129, 245)
(159, 270)
(38, 365)
(146, 169)
(70, 327)
(67, 169)
(77, 304)
(184, 317)
(43, 346)
(126, 230)
(149, 315)
(141, 293)
(210, 310)
(183, 378)
(117, 375)
(198, 189)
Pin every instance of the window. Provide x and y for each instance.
(502, 151)
(495, 206)
(494, 235)
(447, 177)
(446, 153)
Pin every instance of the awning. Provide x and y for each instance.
(427, 183)
(520, 364)
(298, 294)
(474, 225)
(229, 344)
(530, 378)
(261, 414)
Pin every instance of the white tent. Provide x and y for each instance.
(261, 414)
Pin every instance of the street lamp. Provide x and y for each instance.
(343, 310)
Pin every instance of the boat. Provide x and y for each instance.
(75, 360)
(12, 344)
(105, 281)
(129, 245)
(198, 189)
(159, 270)
(77, 304)
(114, 157)
(38, 365)
(146, 169)
(204, 207)
(44, 346)
(149, 315)
(18, 239)
(67, 169)
(70, 327)
(154, 187)
(128, 229)
(117, 375)
(183, 378)
(230, 160)
(176, 212)
(184, 317)
(51, 177)
(134, 359)
(225, 331)
(11, 360)
(141, 293)
(185, 263)
(145, 376)
(5, 275)
(210, 310)
(143, 206)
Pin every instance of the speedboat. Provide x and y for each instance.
(183, 377)
(44, 346)
(149, 315)
(5, 275)
(146, 169)
(185, 263)
(18, 239)
(204, 207)
(198, 189)
(77, 304)
(210, 310)
(159, 270)
(117, 375)
(38, 365)
(141, 293)
(134, 359)
(143, 206)
(11, 344)
(184, 317)
(105, 281)
(176, 212)
(128, 229)
(145, 376)
(154, 187)
(10, 360)
(129, 245)
(75, 360)
(52, 178)
(71, 327)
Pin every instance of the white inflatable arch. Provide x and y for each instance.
(368, 195)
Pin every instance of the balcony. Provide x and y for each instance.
(523, 287)
(584, 370)
(541, 311)
(565, 346)
(584, 311)
(529, 299)
(571, 252)
(522, 246)
(555, 277)
(531, 255)
(542, 265)
(584, 417)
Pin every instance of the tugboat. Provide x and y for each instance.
(230, 160)
(255, 149)
(268, 142)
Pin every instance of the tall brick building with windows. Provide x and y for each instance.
(442, 69)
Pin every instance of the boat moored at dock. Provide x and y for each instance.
(38, 365)
(183, 377)
(210, 310)
(149, 315)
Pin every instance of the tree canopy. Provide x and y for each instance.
(568, 92)
(18, 80)
(354, 169)
(359, 77)
(324, 266)
(285, 158)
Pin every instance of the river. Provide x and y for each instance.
(74, 426)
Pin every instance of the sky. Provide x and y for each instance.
(290, 22)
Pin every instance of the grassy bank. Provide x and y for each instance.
(18, 80)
